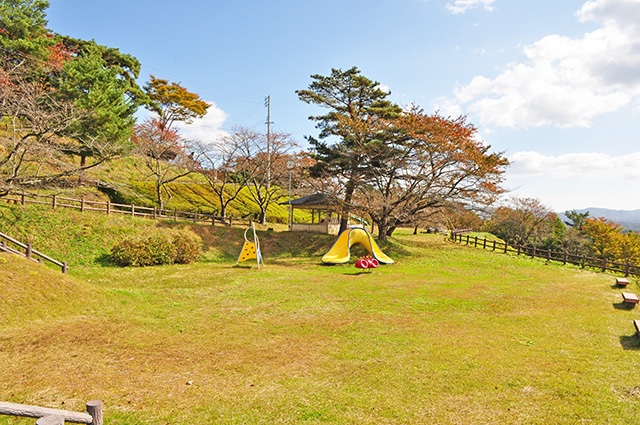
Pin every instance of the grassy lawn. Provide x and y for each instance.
(447, 335)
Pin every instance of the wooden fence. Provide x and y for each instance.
(29, 252)
(583, 261)
(113, 208)
(48, 416)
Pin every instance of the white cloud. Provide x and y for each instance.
(461, 6)
(207, 129)
(575, 165)
(576, 180)
(565, 82)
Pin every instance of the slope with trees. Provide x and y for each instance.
(59, 97)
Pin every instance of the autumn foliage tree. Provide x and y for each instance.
(395, 165)
(523, 221)
(165, 155)
(160, 144)
(609, 240)
(173, 103)
(421, 163)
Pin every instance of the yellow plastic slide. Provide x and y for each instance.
(340, 251)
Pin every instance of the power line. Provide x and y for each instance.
(238, 95)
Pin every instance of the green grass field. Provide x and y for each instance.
(447, 335)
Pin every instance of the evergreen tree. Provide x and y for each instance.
(356, 104)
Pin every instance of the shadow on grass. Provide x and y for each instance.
(623, 306)
(105, 260)
(631, 342)
(239, 266)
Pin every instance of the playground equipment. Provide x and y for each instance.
(367, 263)
(340, 251)
(251, 249)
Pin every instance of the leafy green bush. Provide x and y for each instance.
(160, 248)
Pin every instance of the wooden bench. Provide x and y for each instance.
(636, 323)
(622, 281)
(630, 298)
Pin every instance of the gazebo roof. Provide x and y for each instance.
(317, 201)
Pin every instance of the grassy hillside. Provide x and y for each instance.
(33, 293)
(83, 239)
(447, 335)
(127, 181)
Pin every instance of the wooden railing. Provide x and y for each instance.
(29, 252)
(583, 261)
(113, 208)
(48, 416)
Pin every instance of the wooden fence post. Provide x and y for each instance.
(29, 250)
(65, 267)
(53, 201)
(604, 265)
(484, 243)
(195, 217)
(82, 204)
(494, 246)
(155, 214)
(94, 409)
(627, 269)
(22, 198)
(476, 242)
(175, 215)
(108, 207)
(133, 210)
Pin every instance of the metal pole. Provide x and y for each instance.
(290, 215)
(267, 101)
(290, 165)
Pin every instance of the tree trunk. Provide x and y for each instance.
(344, 218)
(390, 230)
(159, 195)
(382, 229)
(263, 216)
(83, 162)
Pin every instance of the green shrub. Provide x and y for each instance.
(187, 247)
(160, 248)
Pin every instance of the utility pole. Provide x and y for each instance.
(267, 103)
(290, 166)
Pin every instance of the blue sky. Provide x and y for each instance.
(555, 85)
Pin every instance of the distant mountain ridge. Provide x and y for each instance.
(629, 219)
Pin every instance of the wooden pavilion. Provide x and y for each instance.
(324, 216)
